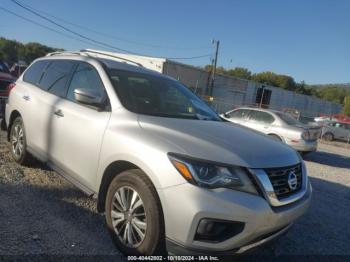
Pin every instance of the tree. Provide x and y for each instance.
(346, 108)
(12, 51)
(240, 72)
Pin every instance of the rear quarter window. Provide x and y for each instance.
(34, 72)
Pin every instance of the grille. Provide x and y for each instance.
(279, 180)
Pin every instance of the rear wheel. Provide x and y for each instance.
(18, 142)
(328, 137)
(134, 215)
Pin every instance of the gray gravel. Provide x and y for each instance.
(41, 213)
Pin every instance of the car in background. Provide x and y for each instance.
(278, 125)
(336, 131)
(18, 68)
(5, 80)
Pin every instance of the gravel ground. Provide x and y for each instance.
(41, 213)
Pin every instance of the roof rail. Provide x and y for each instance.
(63, 53)
(107, 54)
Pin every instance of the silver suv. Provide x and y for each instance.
(278, 125)
(167, 172)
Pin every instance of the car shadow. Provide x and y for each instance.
(329, 159)
(52, 222)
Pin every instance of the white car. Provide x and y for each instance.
(167, 172)
(278, 125)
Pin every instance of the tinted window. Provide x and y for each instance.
(85, 76)
(239, 113)
(34, 72)
(288, 119)
(56, 77)
(262, 117)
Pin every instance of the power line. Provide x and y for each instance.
(193, 57)
(112, 36)
(71, 31)
(80, 35)
(43, 26)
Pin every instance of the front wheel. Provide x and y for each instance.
(134, 215)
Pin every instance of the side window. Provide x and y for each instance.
(34, 72)
(56, 77)
(261, 117)
(240, 113)
(85, 76)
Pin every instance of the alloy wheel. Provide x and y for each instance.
(17, 140)
(128, 216)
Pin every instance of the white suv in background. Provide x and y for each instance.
(168, 173)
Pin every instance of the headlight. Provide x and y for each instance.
(212, 175)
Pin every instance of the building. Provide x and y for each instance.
(230, 92)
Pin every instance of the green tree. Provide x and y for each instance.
(240, 72)
(346, 108)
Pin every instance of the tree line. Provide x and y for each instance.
(332, 92)
(12, 51)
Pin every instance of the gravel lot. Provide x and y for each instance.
(41, 213)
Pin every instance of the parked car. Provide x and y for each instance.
(5, 80)
(278, 125)
(167, 172)
(17, 69)
(336, 130)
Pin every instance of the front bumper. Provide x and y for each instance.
(185, 205)
(302, 145)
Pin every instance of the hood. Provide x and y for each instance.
(222, 142)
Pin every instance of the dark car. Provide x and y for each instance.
(5, 80)
(17, 69)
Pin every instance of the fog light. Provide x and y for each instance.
(214, 230)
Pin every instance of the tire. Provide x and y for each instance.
(18, 142)
(328, 137)
(3, 125)
(151, 225)
(275, 137)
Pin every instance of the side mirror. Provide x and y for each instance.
(88, 96)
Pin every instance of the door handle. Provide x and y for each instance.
(27, 98)
(59, 113)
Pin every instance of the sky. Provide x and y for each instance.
(308, 40)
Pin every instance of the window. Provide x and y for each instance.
(56, 77)
(240, 113)
(288, 119)
(158, 96)
(262, 117)
(34, 72)
(85, 76)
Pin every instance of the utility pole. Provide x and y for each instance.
(217, 43)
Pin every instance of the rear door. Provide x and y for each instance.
(238, 116)
(47, 84)
(260, 121)
(78, 129)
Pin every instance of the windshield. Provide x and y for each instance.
(288, 119)
(158, 96)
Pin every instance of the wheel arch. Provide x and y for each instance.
(13, 116)
(110, 172)
(276, 135)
